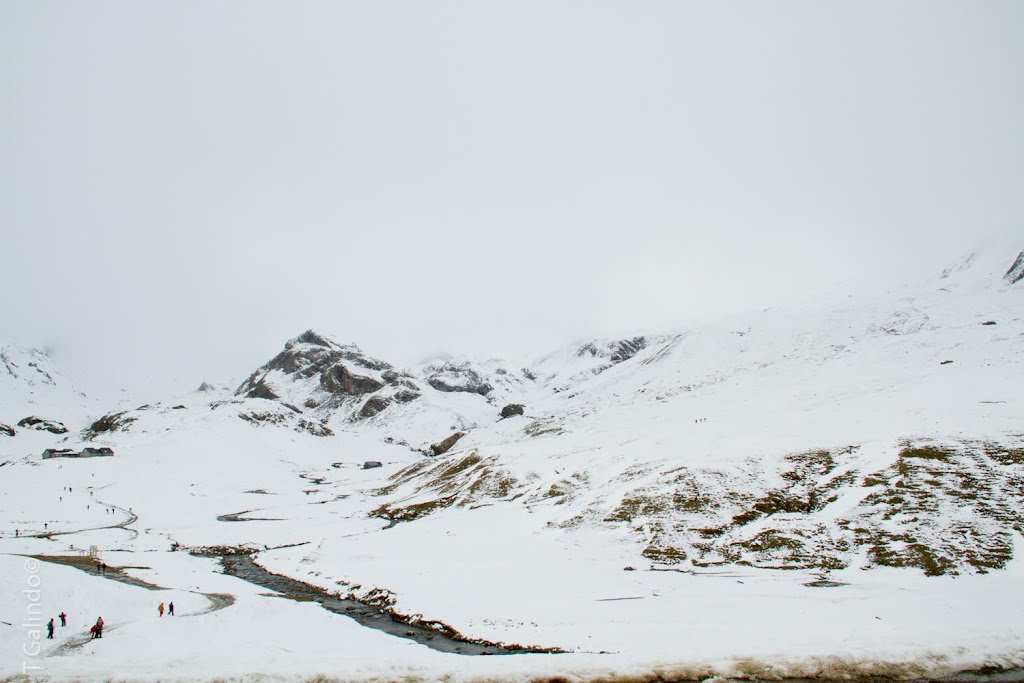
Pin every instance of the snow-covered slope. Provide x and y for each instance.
(31, 384)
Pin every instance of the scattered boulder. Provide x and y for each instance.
(6, 430)
(178, 407)
(945, 362)
(512, 409)
(43, 425)
(371, 464)
(1016, 272)
(443, 447)
(374, 405)
(990, 322)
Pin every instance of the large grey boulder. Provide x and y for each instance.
(442, 447)
(512, 409)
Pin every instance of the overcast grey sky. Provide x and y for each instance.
(185, 185)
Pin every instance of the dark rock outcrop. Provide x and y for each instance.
(339, 380)
(111, 422)
(43, 425)
(262, 390)
(617, 351)
(371, 464)
(457, 376)
(512, 409)
(405, 395)
(300, 424)
(374, 405)
(1016, 272)
(6, 430)
(443, 447)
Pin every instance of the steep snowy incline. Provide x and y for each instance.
(31, 384)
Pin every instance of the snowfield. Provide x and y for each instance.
(827, 493)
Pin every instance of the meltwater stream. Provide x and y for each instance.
(243, 567)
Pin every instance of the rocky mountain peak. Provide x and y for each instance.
(314, 338)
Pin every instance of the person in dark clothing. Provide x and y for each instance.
(49, 630)
(170, 610)
(63, 619)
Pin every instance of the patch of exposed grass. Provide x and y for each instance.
(634, 507)
(664, 554)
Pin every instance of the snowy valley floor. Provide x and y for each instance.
(491, 575)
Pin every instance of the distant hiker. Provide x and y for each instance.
(49, 630)
(94, 630)
(63, 619)
(99, 627)
(103, 568)
(160, 609)
(16, 533)
(170, 610)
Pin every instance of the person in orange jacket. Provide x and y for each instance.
(160, 609)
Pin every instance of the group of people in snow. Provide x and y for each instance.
(170, 609)
(96, 630)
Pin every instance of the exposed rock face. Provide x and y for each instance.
(6, 430)
(339, 380)
(112, 422)
(616, 351)
(342, 370)
(298, 424)
(1016, 272)
(405, 395)
(206, 386)
(262, 390)
(374, 405)
(43, 425)
(444, 446)
(512, 409)
(457, 376)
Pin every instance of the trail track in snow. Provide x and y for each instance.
(130, 518)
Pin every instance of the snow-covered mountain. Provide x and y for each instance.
(874, 443)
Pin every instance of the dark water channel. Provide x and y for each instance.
(243, 567)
